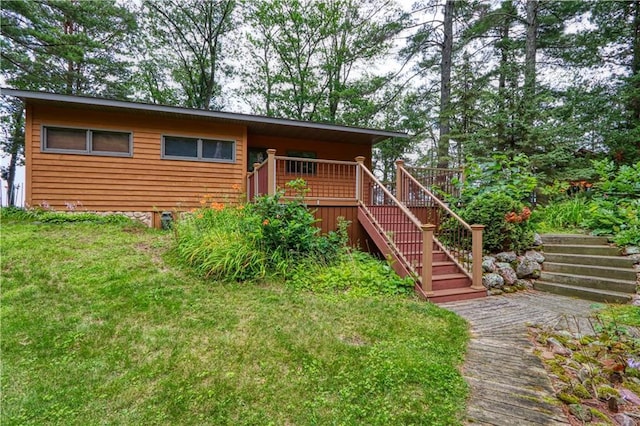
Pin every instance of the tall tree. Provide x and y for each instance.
(62, 46)
(445, 84)
(189, 37)
(313, 60)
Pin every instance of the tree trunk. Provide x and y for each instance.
(530, 53)
(445, 86)
(635, 64)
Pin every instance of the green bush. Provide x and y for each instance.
(248, 242)
(615, 205)
(506, 221)
(354, 273)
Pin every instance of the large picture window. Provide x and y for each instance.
(86, 141)
(184, 148)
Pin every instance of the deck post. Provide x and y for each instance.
(427, 258)
(399, 189)
(360, 161)
(476, 256)
(256, 184)
(271, 171)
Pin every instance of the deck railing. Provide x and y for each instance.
(401, 226)
(461, 241)
(328, 181)
(445, 181)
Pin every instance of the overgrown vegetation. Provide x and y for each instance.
(277, 240)
(494, 195)
(100, 326)
(11, 214)
(610, 207)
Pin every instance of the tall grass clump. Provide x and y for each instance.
(562, 215)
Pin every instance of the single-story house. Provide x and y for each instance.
(143, 159)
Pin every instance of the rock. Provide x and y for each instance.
(558, 348)
(581, 412)
(635, 258)
(630, 250)
(534, 255)
(509, 289)
(624, 420)
(528, 268)
(506, 272)
(523, 284)
(630, 397)
(506, 256)
(488, 264)
(495, 292)
(492, 281)
(537, 240)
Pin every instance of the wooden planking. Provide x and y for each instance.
(143, 182)
(328, 216)
(342, 151)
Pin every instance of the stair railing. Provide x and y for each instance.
(462, 242)
(373, 193)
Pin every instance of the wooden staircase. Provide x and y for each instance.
(396, 236)
(586, 267)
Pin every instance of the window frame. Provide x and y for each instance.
(88, 145)
(199, 156)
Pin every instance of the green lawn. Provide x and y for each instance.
(99, 327)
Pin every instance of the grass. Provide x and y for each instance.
(100, 327)
(621, 314)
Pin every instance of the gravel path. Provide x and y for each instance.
(508, 383)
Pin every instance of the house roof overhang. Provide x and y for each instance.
(256, 124)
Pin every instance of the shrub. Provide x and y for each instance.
(506, 221)
(354, 273)
(50, 216)
(249, 242)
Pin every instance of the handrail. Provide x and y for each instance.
(402, 207)
(316, 160)
(437, 200)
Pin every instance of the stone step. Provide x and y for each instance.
(585, 259)
(597, 295)
(608, 284)
(597, 250)
(628, 274)
(574, 239)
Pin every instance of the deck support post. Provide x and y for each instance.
(360, 161)
(399, 188)
(271, 171)
(256, 184)
(427, 258)
(476, 256)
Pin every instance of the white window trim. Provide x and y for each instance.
(87, 146)
(199, 149)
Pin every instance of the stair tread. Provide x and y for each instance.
(588, 277)
(458, 290)
(580, 245)
(587, 256)
(586, 289)
(604, 268)
(449, 276)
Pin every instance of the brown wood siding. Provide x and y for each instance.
(342, 151)
(143, 182)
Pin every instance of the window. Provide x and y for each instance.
(301, 167)
(183, 148)
(86, 141)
